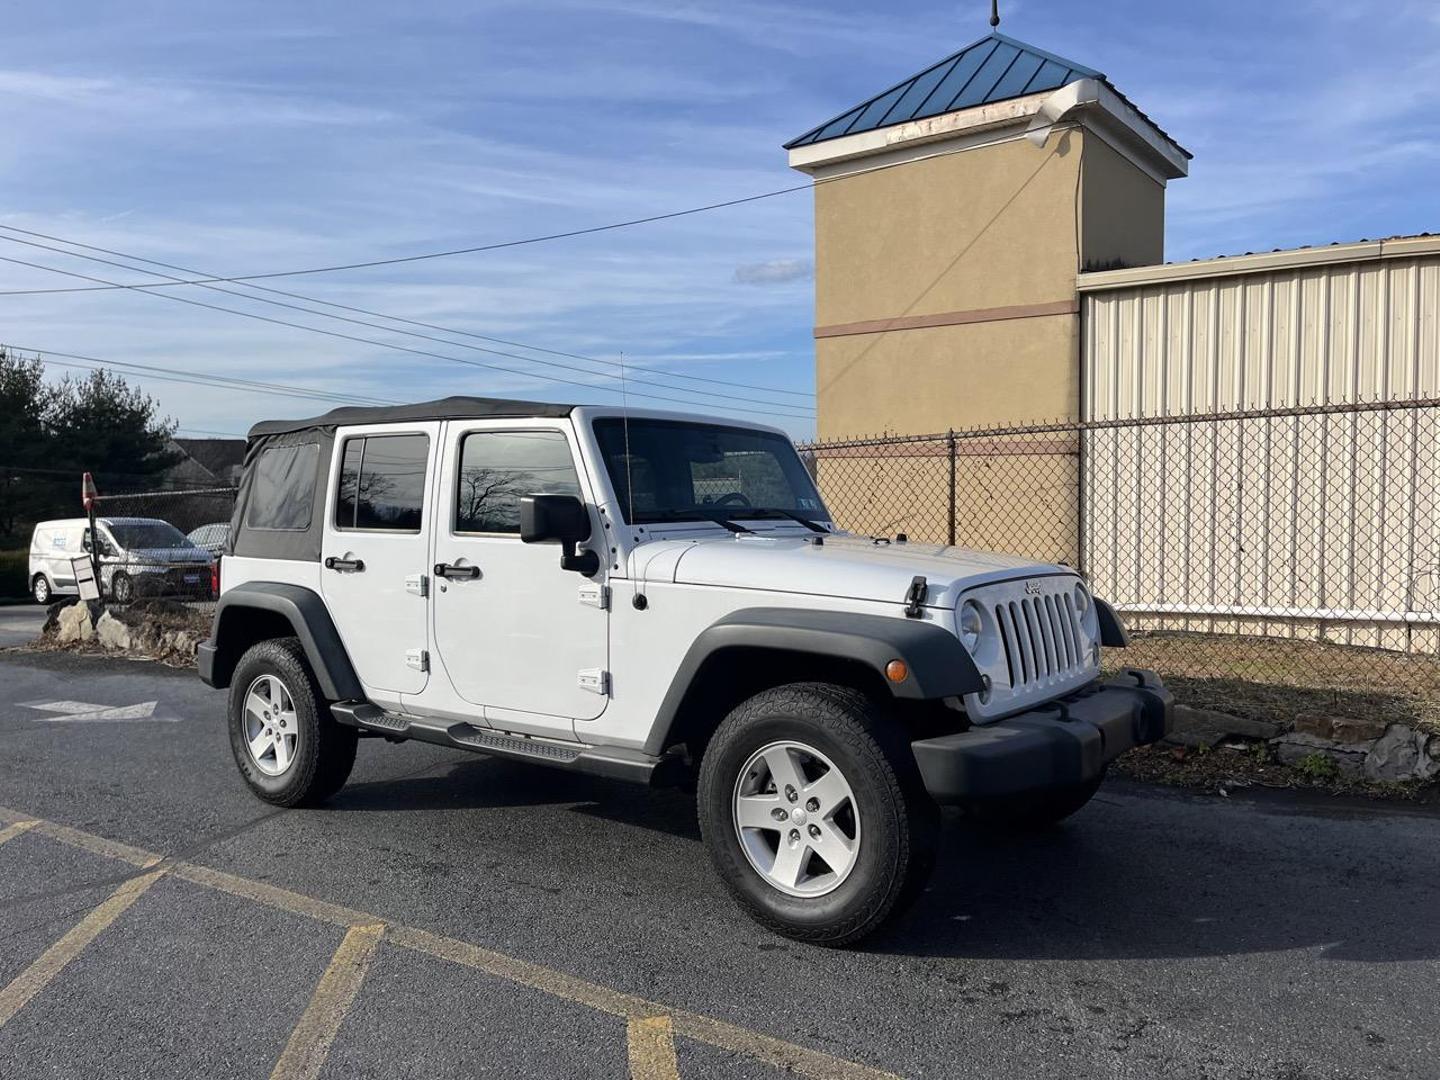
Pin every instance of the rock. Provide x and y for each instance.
(1403, 753)
(1295, 747)
(112, 633)
(1313, 724)
(52, 616)
(1342, 729)
(184, 643)
(1354, 729)
(73, 625)
(1206, 727)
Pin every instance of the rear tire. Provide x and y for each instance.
(891, 824)
(40, 589)
(1037, 809)
(288, 747)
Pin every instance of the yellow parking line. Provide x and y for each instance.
(309, 1043)
(764, 1048)
(39, 974)
(652, 1048)
(13, 830)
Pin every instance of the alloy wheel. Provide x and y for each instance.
(272, 730)
(796, 818)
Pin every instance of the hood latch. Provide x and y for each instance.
(915, 597)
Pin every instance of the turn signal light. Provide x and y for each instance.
(897, 671)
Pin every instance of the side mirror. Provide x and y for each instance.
(563, 520)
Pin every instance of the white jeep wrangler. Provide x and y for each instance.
(658, 598)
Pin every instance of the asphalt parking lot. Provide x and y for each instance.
(20, 623)
(449, 915)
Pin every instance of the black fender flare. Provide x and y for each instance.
(1112, 630)
(938, 665)
(308, 617)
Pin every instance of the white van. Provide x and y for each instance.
(138, 556)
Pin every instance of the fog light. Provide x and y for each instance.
(897, 671)
(986, 685)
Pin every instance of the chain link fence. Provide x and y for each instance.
(1273, 559)
(162, 544)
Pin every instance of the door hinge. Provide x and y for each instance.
(596, 680)
(594, 595)
(417, 585)
(419, 659)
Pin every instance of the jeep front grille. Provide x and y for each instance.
(1041, 636)
(1037, 643)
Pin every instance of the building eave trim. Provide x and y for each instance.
(1102, 109)
(1265, 262)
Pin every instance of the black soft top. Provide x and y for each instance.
(450, 408)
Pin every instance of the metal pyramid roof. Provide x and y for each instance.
(995, 68)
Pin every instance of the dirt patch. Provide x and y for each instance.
(1232, 767)
(1282, 681)
(160, 630)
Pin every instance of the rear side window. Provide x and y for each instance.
(497, 467)
(382, 483)
(283, 488)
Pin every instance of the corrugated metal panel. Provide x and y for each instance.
(1340, 333)
(1313, 527)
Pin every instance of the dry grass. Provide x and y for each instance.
(1279, 680)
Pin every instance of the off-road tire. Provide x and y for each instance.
(40, 589)
(900, 823)
(122, 589)
(325, 751)
(1036, 809)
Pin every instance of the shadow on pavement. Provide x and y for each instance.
(1142, 875)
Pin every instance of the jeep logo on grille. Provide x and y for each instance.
(1032, 588)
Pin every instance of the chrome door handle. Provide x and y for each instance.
(354, 566)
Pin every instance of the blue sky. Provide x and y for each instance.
(242, 138)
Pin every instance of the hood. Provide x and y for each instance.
(850, 566)
(166, 556)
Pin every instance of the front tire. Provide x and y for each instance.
(814, 813)
(40, 589)
(289, 749)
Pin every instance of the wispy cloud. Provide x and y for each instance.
(774, 272)
(273, 135)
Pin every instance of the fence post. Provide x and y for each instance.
(950, 447)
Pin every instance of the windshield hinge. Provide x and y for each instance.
(915, 597)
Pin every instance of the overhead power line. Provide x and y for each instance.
(350, 307)
(224, 382)
(495, 247)
(399, 348)
(748, 400)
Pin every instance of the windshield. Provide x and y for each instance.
(142, 535)
(672, 470)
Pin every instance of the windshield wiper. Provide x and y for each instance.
(791, 514)
(704, 514)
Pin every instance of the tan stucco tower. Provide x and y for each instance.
(952, 213)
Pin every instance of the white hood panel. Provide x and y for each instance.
(849, 566)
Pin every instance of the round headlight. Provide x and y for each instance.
(970, 625)
(1082, 600)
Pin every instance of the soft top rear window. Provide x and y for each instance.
(283, 488)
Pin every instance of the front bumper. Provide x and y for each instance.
(1063, 742)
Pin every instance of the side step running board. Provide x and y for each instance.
(615, 762)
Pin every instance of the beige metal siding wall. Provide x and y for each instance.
(1322, 527)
